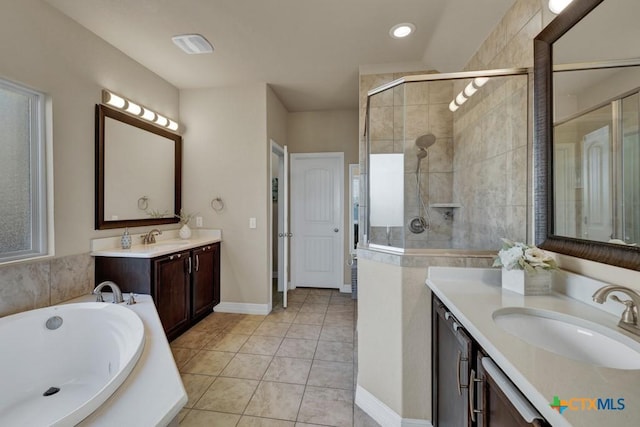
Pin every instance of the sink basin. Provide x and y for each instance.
(570, 336)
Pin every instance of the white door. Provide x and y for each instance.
(564, 199)
(597, 202)
(317, 243)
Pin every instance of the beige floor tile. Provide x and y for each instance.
(197, 418)
(244, 327)
(309, 307)
(334, 351)
(208, 362)
(309, 318)
(318, 298)
(327, 406)
(288, 370)
(307, 425)
(341, 308)
(257, 344)
(193, 339)
(342, 299)
(331, 374)
(337, 333)
(321, 291)
(255, 317)
(249, 366)
(307, 332)
(228, 342)
(248, 421)
(182, 356)
(195, 385)
(228, 395)
(291, 297)
(272, 329)
(276, 400)
(282, 316)
(293, 347)
(339, 319)
(183, 413)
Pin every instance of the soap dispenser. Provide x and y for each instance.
(125, 240)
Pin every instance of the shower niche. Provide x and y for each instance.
(446, 172)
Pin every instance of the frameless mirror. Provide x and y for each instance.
(587, 80)
(138, 171)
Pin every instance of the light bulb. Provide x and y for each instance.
(460, 99)
(470, 90)
(557, 6)
(133, 108)
(453, 107)
(480, 81)
(162, 121)
(401, 30)
(148, 115)
(172, 125)
(115, 100)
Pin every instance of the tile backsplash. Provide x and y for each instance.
(31, 285)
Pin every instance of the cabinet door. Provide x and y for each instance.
(452, 350)
(499, 402)
(203, 291)
(172, 292)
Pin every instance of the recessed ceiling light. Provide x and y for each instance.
(192, 43)
(402, 30)
(557, 6)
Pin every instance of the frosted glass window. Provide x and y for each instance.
(22, 173)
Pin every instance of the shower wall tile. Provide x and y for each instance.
(398, 123)
(440, 120)
(381, 146)
(31, 285)
(71, 277)
(440, 158)
(441, 92)
(372, 81)
(22, 287)
(381, 123)
(440, 187)
(416, 93)
(416, 121)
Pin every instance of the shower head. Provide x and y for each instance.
(425, 141)
(422, 153)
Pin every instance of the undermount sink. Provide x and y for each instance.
(570, 336)
(171, 243)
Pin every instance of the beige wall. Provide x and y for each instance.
(328, 131)
(44, 49)
(227, 153)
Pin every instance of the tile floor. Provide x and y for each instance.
(291, 368)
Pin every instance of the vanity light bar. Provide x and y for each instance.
(138, 110)
(467, 93)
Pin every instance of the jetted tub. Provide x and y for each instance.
(59, 364)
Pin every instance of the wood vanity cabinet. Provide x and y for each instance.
(469, 390)
(185, 285)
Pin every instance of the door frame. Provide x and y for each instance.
(280, 152)
(294, 211)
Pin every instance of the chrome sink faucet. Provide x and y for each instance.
(150, 237)
(629, 319)
(117, 294)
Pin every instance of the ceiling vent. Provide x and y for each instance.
(192, 43)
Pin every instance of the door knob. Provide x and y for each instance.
(336, 230)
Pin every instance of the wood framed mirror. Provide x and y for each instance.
(138, 172)
(613, 246)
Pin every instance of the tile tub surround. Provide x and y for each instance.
(472, 295)
(36, 284)
(293, 367)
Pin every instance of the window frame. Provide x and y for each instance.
(40, 172)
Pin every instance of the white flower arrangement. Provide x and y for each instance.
(520, 256)
(185, 217)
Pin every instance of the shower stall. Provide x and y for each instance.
(445, 161)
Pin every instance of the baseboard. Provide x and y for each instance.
(346, 289)
(242, 308)
(382, 414)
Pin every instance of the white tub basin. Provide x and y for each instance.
(86, 357)
(570, 336)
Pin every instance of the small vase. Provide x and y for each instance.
(538, 283)
(185, 232)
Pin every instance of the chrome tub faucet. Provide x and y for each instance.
(117, 294)
(629, 319)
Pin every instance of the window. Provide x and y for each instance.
(23, 175)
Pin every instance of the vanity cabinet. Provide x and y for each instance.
(185, 285)
(469, 389)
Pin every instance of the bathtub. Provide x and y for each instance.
(59, 364)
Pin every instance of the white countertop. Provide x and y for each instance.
(472, 295)
(153, 394)
(166, 243)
